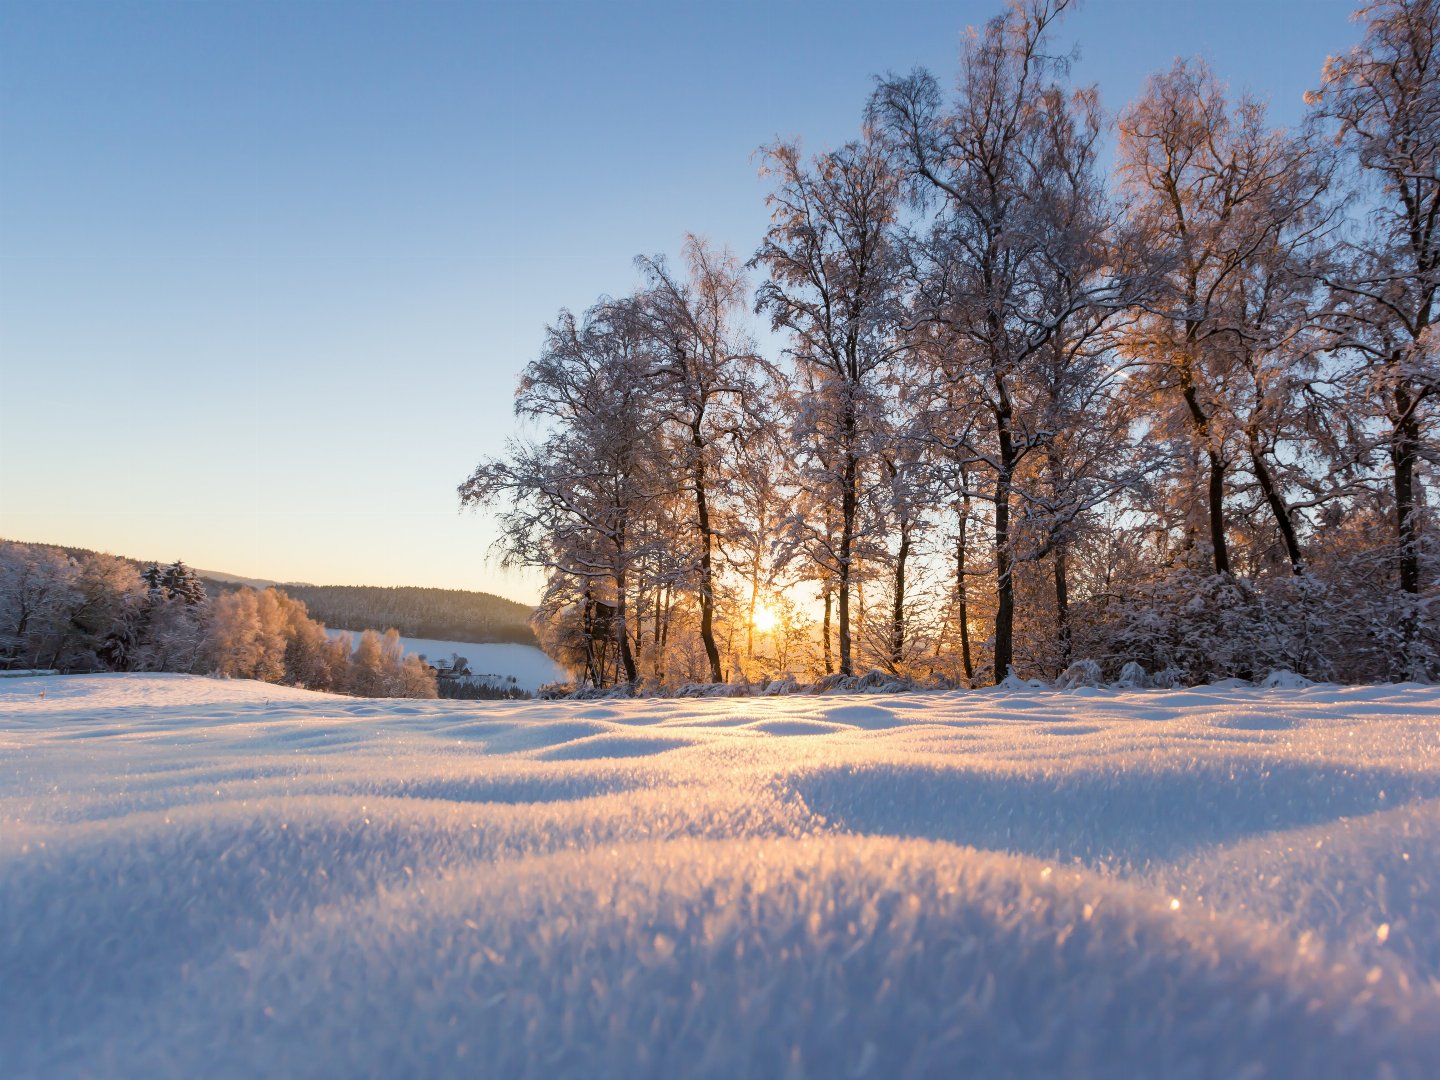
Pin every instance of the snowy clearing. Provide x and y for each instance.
(496, 661)
(231, 878)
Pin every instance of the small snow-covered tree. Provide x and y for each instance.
(367, 666)
(232, 645)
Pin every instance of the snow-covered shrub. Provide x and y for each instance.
(785, 684)
(1132, 677)
(937, 680)
(743, 688)
(1168, 678)
(1201, 627)
(833, 684)
(878, 681)
(1080, 673)
(892, 686)
(588, 693)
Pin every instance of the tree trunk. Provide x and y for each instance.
(761, 530)
(1004, 579)
(587, 624)
(707, 577)
(657, 664)
(1004, 584)
(1277, 507)
(1215, 501)
(750, 619)
(962, 594)
(1404, 443)
(622, 622)
(825, 630)
(1217, 512)
(849, 508)
(1062, 606)
(897, 615)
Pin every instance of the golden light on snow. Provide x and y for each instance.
(764, 618)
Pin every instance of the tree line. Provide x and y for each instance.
(1029, 411)
(444, 614)
(89, 612)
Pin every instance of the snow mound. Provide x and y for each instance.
(1014, 682)
(1285, 680)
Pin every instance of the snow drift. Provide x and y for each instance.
(239, 879)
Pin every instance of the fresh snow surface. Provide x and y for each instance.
(496, 662)
(211, 878)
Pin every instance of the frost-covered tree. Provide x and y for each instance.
(900, 506)
(576, 495)
(1221, 200)
(171, 623)
(1383, 98)
(704, 375)
(36, 595)
(830, 258)
(103, 626)
(1030, 417)
(1016, 251)
(367, 666)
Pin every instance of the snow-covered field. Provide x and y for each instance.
(225, 878)
(497, 662)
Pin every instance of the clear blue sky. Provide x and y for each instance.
(268, 271)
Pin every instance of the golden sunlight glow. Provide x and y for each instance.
(764, 618)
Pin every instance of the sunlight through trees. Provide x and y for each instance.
(1026, 414)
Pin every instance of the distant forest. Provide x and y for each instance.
(445, 614)
(442, 614)
(73, 611)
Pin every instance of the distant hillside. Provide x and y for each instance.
(236, 579)
(443, 614)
